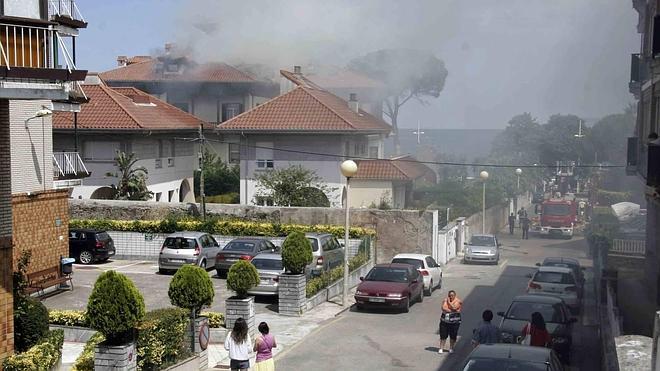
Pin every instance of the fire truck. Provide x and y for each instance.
(558, 217)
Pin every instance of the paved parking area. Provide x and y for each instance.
(152, 285)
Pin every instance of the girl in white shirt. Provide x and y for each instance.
(239, 345)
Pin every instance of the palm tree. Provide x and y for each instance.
(132, 183)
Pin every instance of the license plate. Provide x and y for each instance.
(377, 300)
(177, 260)
(265, 282)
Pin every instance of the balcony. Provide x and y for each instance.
(628, 248)
(68, 165)
(66, 12)
(639, 73)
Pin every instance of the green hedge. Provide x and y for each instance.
(216, 226)
(78, 318)
(85, 361)
(317, 284)
(161, 338)
(41, 357)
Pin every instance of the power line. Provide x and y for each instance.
(513, 166)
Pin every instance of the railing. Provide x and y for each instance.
(65, 8)
(628, 247)
(26, 46)
(68, 165)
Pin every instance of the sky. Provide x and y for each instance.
(504, 57)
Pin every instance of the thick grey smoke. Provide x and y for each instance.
(504, 57)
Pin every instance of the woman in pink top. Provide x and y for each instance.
(264, 345)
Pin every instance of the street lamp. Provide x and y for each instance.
(484, 176)
(348, 169)
(518, 172)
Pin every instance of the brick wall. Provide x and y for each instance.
(49, 211)
(6, 300)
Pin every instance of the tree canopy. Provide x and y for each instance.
(132, 184)
(219, 177)
(293, 186)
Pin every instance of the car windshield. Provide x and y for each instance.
(267, 264)
(554, 277)
(314, 242)
(489, 364)
(239, 246)
(414, 262)
(179, 243)
(482, 241)
(387, 275)
(556, 209)
(522, 310)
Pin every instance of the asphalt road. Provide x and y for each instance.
(152, 285)
(380, 340)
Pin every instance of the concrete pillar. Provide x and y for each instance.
(200, 338)
(240, 308)
(292, 298)
(6, 254)
(115, 357)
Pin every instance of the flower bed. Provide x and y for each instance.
(78, 318)
(326, 279)
(41, 357)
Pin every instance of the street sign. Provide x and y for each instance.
(204, 336)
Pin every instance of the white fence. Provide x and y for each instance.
(628, 247)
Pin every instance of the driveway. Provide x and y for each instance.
(152, 285)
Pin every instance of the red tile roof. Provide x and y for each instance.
(125, 109)
(401, 168)
(146, 71)
(306, 109)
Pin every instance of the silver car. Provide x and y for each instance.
(327, 253)
(482, 248)
(181, 248)
(269, 266)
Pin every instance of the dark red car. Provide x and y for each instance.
(390, 285)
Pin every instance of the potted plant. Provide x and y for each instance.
(296, 255)
(191, 288)
(242, 276)
(115, 308)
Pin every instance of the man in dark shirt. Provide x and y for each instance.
(512, 223)
(525, 228)
(486, 333)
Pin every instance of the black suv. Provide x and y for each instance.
(88, 245)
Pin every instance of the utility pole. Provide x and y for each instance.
(201, 170)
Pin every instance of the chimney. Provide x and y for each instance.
(297, 70)
(353, 103)
(122, 60)
(168, 47)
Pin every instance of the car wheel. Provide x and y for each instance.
(421, 296)
(162, 271)
(405, 308)
(86, 257)
(202, 264)
(430, 290)
(220, 273)
(359, 306)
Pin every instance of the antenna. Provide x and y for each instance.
(419, 132)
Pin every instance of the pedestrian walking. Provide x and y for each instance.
(238, 344)
(535, 334)
(525, 228)
(512, 223)
(522, 213)
(264, 345)
(486, 333)
(450, 321)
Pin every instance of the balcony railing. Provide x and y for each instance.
(66, 9)
(633, 248)
(68, 165)
(26, 46)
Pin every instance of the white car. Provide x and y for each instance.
(427, 266)
(556, 281)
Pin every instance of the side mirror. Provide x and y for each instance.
(501, 314)
(538, 264)
(415, 281)
(361, 278)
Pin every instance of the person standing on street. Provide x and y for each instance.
(239, 344)
(525, 228)
(264, 345)
(450, 321)
(486, 333)
(512, 223)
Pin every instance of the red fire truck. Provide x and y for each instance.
(558, 217)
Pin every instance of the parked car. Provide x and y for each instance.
(482, 248)
(244, 248)
(187, 248)
(573, 264)
(326, 251)
(555, 313)
(506, 357)
(269, 266)
(89, 245)
(390, 285)
(556, 281)
(427, 266)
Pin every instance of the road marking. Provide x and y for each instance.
(504, 263)
(126, 266)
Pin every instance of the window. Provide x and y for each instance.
(171, 67)
(554, 277)
(314, 242)
(239, 246)
(373, 151)
(170, 162)
(158, 196)
(22, 8)
(100, 151)
(158, 164)
(179, 243)
(429, 262)
(234, 153)
(264, 200)
(414, 262)
(265, 164)
(230, 110)
(360, 149)
(264, 155)
(170, 194)
(267, 264)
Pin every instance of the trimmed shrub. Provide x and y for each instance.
(216, 319)
(241, 277)
(296, 253)
(115, 307)
(216, 226)
(161, 336)
(41, 357)
(77, 318)
(85, 361)
(191, 288)
(30, 322)
(326, 279)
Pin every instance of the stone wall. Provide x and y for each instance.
(41, 223)
(397, 231)
(6, 299)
